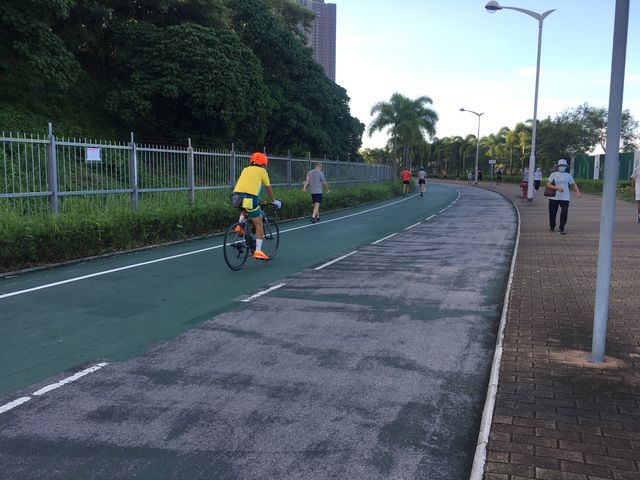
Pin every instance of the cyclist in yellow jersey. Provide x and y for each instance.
(249, 186)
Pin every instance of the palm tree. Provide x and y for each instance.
(407, 121)
(469, 150)
(523, 131)
(511, 139)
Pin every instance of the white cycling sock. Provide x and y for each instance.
(259, 244)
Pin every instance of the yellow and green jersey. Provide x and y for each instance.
(251, 180)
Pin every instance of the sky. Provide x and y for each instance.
(459, 55)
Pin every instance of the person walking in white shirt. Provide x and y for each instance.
(560, 181)
(422, 176)
(635, 182)
(537, 178)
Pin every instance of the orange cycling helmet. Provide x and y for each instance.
(259, 158)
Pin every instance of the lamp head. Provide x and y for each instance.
(492, 6)
(462, 109)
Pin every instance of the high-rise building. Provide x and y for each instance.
(322, 38)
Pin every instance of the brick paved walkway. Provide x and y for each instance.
(558, 416)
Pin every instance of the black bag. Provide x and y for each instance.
(550, 192)
(236, 200)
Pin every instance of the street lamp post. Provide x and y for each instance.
(492, 7)
(477, 138)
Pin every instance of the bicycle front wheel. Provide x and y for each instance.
(235, 248)
(271, 240)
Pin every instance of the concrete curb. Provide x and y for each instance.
(479, 459)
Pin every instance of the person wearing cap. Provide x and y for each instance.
(560, 181)
(537, 178)
(249, 186)
(422, 175)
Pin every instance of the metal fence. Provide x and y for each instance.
(39, 172)
(592, 166)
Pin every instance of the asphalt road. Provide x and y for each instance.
(114, 312)
(374, 366)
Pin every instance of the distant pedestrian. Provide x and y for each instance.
(499, 176)
(405, 175)
(635, 182)
(315, 180)
(525, 175)
(560, 181)
(469, 177)
(537, 178)
(422, 180)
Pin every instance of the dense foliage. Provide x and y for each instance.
(220, 71)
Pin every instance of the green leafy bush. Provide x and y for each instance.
(82, 230)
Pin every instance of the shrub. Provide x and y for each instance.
(79, 231)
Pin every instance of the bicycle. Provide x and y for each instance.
(240, 240)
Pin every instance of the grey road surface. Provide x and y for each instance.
(374, 367)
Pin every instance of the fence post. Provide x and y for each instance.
(356, 171)
(191, 173)
(52, 171)
(232, 169)
(289, 168)
(133, 175)
(337, 182)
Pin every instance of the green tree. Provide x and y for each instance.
(407, 122)
(376, 155)
(188, 79)
(31, 53)
(308, 112)
(591, 127)
(523, 132)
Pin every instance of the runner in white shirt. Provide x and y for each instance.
(422, 175)
(635, 181)
(560, 181)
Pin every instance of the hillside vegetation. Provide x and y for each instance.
(217, 71)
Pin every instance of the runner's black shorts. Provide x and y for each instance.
(421, 181)
(316, 198)
(405, 182)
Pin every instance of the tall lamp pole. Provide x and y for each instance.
(493, 7)
(477, 138)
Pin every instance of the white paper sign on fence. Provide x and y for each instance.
(93, 154)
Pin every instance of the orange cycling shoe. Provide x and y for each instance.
(239, 230)
(260, 255)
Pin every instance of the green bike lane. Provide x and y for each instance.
(116, 307)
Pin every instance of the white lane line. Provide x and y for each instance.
(347, 216)
(414, 225)
(442, 210)
(172, 257)
(70, 379)
(334, 261)
(429, 218)
(8, 406)
(383, 239)
(264, 292)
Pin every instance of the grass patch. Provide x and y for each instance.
(92, 226)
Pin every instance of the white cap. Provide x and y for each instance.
(562, 161)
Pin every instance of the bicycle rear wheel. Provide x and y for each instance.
(271, 240)
(234, 247)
